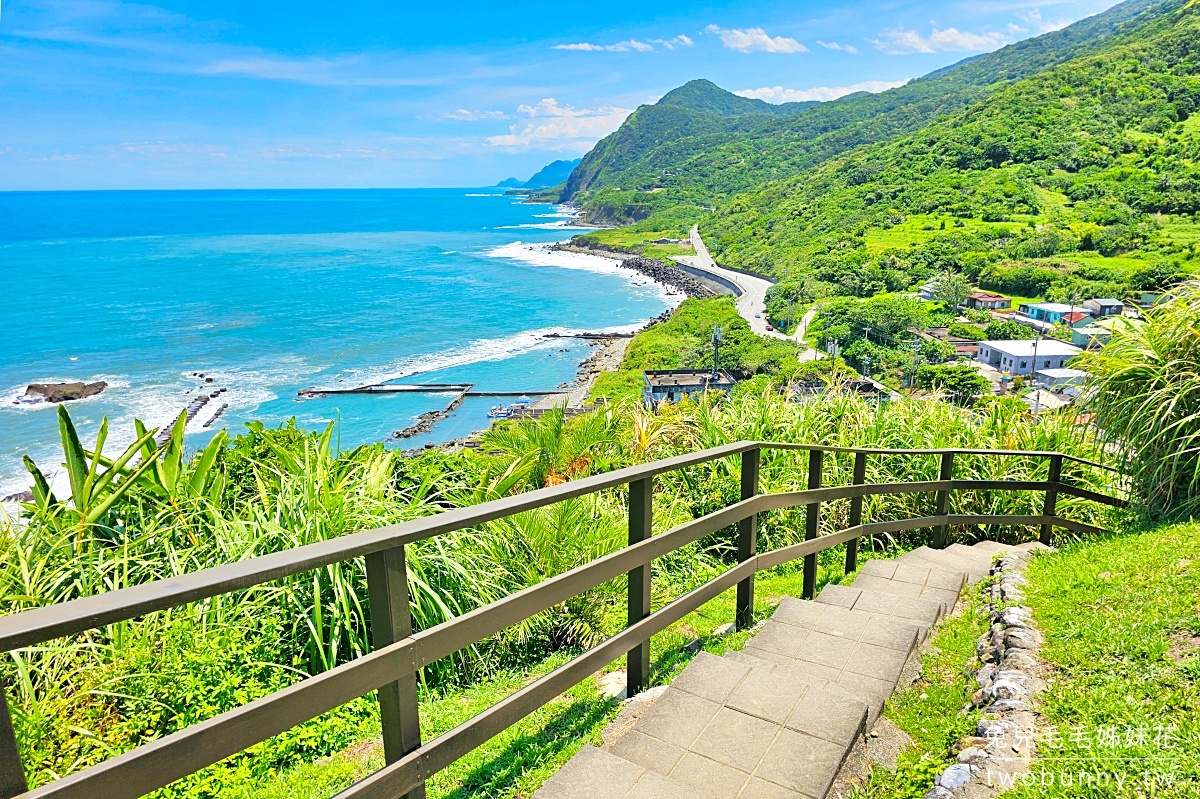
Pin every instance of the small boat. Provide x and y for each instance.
(498, 412)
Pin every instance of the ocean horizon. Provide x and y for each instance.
(169, 296)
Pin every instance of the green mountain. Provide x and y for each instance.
(704, 95)
(700, 144)
(696, 116)
(1082, 179)
(552, 174)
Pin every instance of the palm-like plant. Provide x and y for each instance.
(97, 483)
(1145, 394)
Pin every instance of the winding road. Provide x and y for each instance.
(752, 304)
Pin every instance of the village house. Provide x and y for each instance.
(987, 301)
(963, 347)
(1018, 357)
(673, 385)
(1098, 332)
(1061, 381)
(1104, 306)
(1049, 313)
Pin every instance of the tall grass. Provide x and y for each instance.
(1145, 394)
(81, 699)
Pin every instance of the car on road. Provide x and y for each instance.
(758, 316)
(770, 329)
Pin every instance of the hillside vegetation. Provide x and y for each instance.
(699, 144)
(1084, 178)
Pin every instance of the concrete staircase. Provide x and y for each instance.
(777, 719)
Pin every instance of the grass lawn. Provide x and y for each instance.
(1122, 622)
(638, 241)
(920, 228)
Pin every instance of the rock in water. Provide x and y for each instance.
(63, 392)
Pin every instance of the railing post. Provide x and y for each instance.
(391, 621)
(812, 520)
(747, 539)
(946, 472)
(12, 772)
(641, 527)
(1049, 507)
(856, 507)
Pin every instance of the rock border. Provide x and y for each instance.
(1010, 675)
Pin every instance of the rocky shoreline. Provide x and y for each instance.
(668, 275)
(659, 271)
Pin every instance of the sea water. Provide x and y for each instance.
(268, 293)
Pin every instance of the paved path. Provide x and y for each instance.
(777, 719)
(752, 305)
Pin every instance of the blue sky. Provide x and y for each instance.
(107, 94)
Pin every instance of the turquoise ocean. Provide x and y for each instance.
(271, 292)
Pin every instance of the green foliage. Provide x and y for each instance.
(1024, 189)
(884, 320)
(962, 382)
(684, 341)
(1145, 394)
(962, 330)
(705, 144)
(97, 484)
(951, 288)
(1007, 330)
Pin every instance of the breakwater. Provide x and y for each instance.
(668, 275)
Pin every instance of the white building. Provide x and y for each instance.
(1017, 357)
(1062, 381)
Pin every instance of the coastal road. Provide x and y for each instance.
(752, 304)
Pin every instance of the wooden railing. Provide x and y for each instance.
(399, 653)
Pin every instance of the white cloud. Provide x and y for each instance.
(845, 48)
(560, 127)
(1034, 17)
(749, 40)
(619, 47)
(681, 40)
(468, 115)
(778, 94)
(898, 41)
(629, 44)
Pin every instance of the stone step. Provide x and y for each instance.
(860, 651)
(596, 774)
(976, 565)
(914, 580)
(992, 547)
(972, 553)
(922, 613)
(741, 728)
(1034, 546)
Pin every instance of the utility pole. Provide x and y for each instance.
(1037, 392)
(716, 342)
(916, 348)
(831, 346)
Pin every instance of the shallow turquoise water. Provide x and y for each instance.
(271, 292)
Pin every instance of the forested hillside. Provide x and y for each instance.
(697, 146)
(1084, 178)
